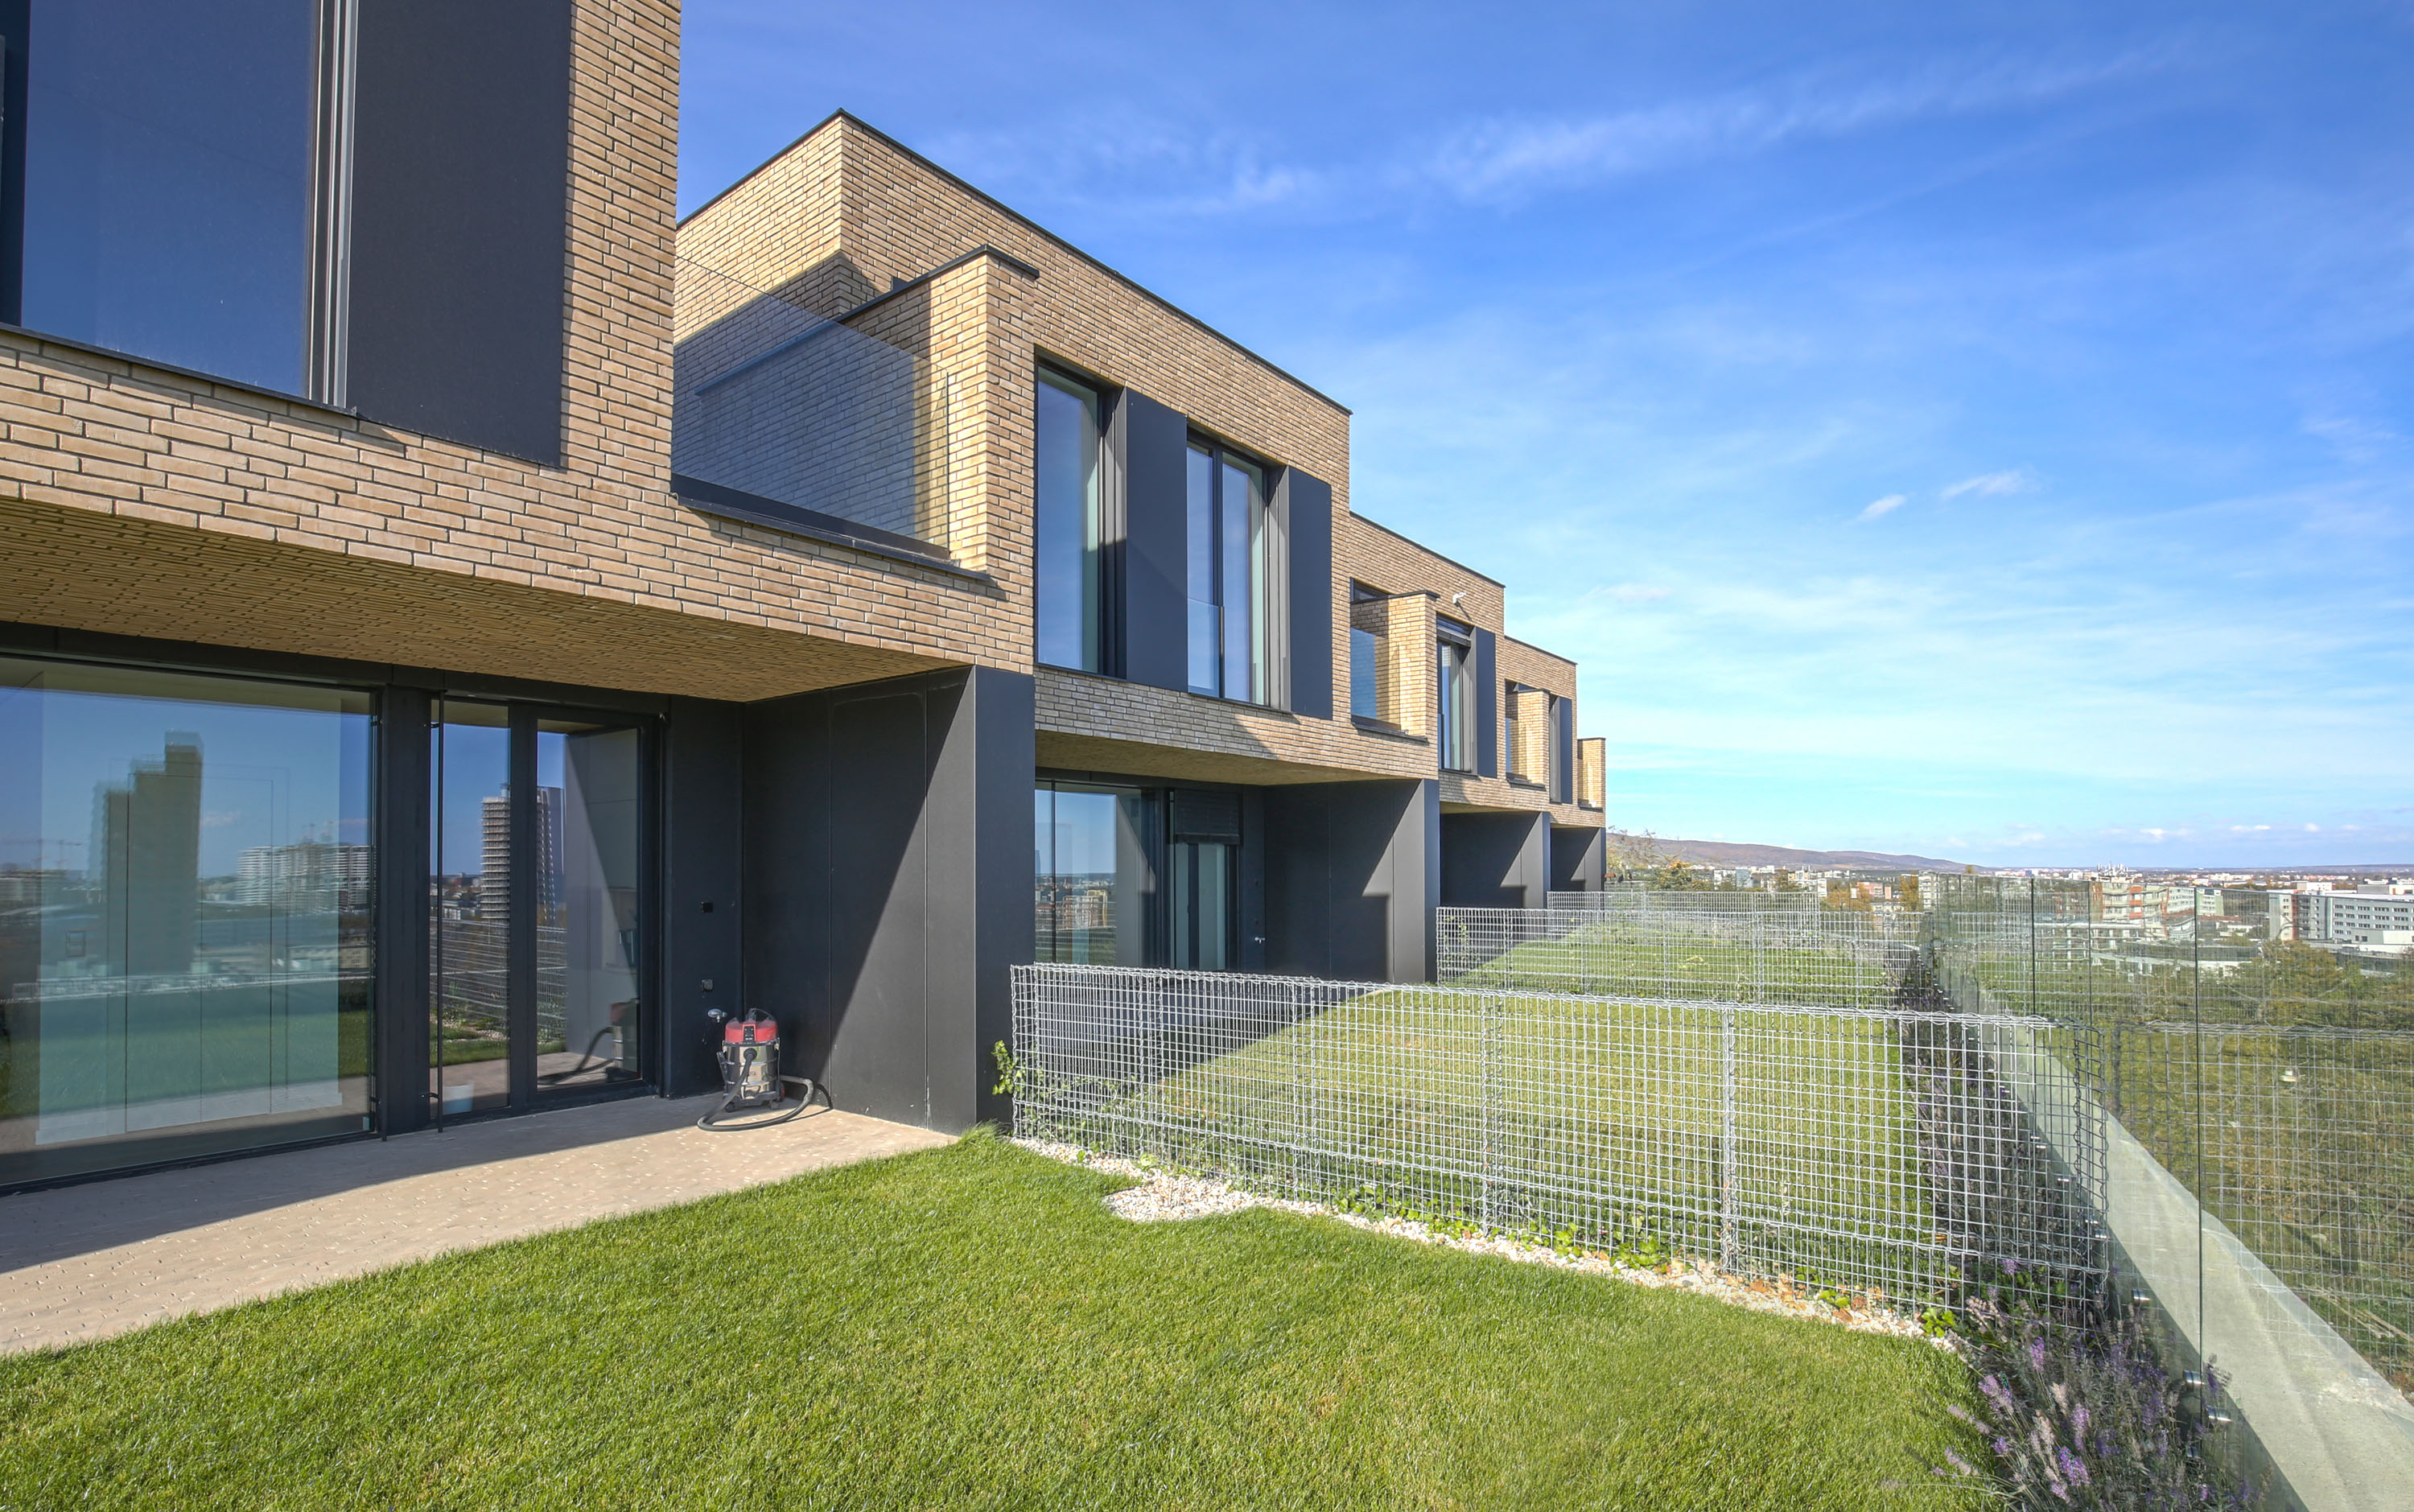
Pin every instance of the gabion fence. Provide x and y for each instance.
(1913, 1153)
(1814, 959)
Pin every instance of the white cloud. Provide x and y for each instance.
(1877, 507)
(1498, 156)
(1637, 593)
(1992, 485)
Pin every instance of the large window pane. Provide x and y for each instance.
(470, 896)
(1067, 467)
(1242, 505)
(588, 813)
(185, 905)
(1454, 687)
(168, 186)
(1095, 876)
(1200, 905)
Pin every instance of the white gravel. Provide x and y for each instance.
(1162, 1196)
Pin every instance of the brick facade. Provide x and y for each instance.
(845, 214)
(138, 500)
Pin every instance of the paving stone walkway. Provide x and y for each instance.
(82, 1263)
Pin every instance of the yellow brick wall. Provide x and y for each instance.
(198, 489)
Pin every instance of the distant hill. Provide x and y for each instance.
(1721, 853)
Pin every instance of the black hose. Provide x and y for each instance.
(804, 1100)
(587, 1058)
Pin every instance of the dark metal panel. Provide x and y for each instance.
(1487, 706)
(1563, 750)
(1252, 860)
(888, 873)
(1348, 890)
(1307, 503)
(1416, 884)
(1155, 560)
(1579, 859)
(980, 813)
(702, 887)
(400, 974)
(1495, 860)
(460, 191)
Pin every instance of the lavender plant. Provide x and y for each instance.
(2089, 1417)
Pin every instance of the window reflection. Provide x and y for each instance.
(1095, 874)
(1068, 525)
(470, 897)
(588, 1008)
(185, 916)
(169, 180)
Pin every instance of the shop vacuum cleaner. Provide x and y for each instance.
(750, 1073)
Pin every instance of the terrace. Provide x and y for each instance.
(1990, 1104)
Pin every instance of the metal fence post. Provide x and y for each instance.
(1727, 1245)
(1485, 1006)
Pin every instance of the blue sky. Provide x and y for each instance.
(1975, 430)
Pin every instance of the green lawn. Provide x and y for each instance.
(968, 1327)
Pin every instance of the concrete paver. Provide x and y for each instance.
(83, 1263)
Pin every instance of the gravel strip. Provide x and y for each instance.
(1164, 1197)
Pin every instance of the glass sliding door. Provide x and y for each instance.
(540, 900)
(588, 843)
(469, 900)
(185, 881)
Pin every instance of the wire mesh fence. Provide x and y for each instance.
(1822, 959)
(1914, 1153)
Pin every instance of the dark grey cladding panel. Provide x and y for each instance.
(1495, 860)
(401, 858)
(1156, 565)
(1487, 708)
(1349, 886)
(1306, 504)
(888, 876)
(1579, 859)
(460, 192)
(1563, 750)
(703, 829)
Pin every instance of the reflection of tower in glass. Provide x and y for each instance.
(495, 828)
(146, 860)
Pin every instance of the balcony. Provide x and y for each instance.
(787, 418)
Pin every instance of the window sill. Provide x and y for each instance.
(1528, 782)
(196, 375)
(793, 519)
(1385, 729)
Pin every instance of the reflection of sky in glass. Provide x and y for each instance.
(477, 766)
(1082, 834)
(167, 180)
(269, 777)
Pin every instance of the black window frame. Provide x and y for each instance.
(1274, 651)
(1452, 740)
(1105, 403)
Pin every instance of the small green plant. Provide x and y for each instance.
(1009, 1072)
(1938, 1322)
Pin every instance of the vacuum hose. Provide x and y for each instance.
(804, 1100)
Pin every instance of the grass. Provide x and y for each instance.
(969, 1328)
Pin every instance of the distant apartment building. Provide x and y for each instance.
(2376, 918)
(822, 606)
